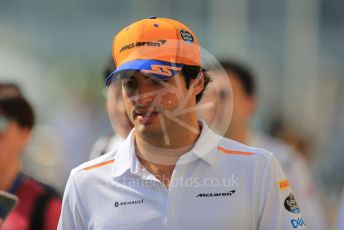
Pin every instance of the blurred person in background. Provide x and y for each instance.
(120, 122)
(340, 217)
(244, 102)
(288, 133)
(39, 205)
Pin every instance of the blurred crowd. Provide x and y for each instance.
(39, 205)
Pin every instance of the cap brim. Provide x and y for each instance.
(159, 69)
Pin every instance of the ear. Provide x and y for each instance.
(197, 84)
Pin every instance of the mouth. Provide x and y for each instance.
(146, 116)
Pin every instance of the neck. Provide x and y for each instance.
(8, 173)
(238, 133)
(159, 153)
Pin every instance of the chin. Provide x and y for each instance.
(149, 129)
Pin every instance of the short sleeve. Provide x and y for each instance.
(277, 205)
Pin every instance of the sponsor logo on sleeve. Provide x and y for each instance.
(297, 223)
(283, 185)
(290, 204)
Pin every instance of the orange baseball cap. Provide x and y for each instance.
(158, 46)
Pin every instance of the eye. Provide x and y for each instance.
(159, 81)
(129, 84)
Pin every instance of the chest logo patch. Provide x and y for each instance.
(124, 203)
(230, 193)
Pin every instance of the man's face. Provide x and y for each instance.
(218, 95)
(155, 106)
(229, 101)
(13, 139)
(243, 104)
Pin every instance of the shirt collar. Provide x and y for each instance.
(126, 158)
(203, 148)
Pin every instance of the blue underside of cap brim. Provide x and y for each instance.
(140, 65)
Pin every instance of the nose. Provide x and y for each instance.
(144, 95)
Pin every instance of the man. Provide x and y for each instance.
(241, 95)
(39, 205)
(120, 122)
(171, 168)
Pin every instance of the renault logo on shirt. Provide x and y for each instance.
(122, 203)
(230, 193)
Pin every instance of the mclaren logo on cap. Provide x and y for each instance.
(187, 37)
(136, 44)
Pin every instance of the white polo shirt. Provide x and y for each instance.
(218, 184)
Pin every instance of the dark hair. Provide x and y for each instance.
(15, 107)
(109, 68)
(192, 72)
(242, 73)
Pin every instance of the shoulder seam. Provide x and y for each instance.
(234, 152)
(98, 165)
